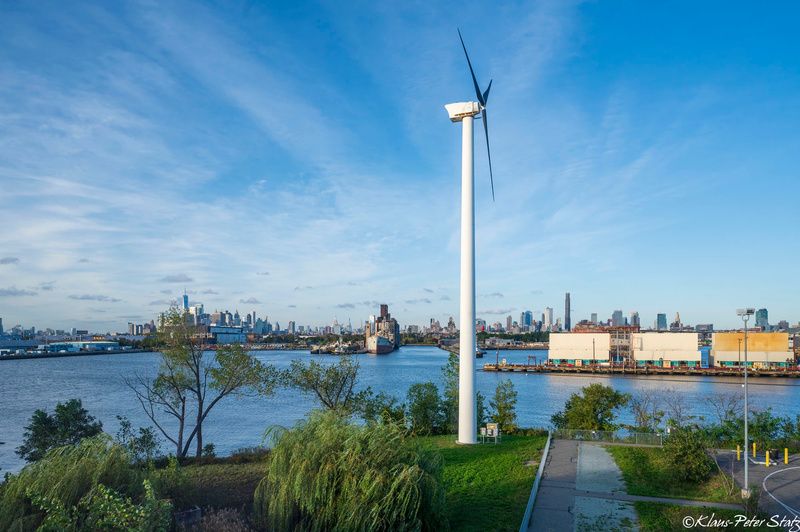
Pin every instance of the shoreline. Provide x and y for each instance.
(31, 356)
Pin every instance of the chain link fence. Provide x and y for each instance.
(638, 438)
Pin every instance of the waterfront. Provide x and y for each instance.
(235, 423)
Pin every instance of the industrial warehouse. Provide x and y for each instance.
(671, 349)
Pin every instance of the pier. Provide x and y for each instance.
(642, 370)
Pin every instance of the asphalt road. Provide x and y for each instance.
(779, 483)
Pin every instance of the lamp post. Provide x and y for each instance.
(745, 314)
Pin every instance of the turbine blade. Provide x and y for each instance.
(486, 94)
(474, 79)
(488, 151)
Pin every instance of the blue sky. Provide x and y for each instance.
(295, 159)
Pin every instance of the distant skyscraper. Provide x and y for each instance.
(1, 325)
(527, 319)
(762, 318)
(594, 317)
(567, 318)
(508, 324)
(661, 322)
(185, 301)
(616, 318)
(635, 319)
(548, 319)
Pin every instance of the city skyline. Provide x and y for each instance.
(634, 152)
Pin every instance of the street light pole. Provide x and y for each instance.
(745, 314)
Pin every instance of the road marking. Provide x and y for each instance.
(791, 510)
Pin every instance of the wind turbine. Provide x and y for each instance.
(465, 112)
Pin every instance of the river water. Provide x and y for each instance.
(240, 422)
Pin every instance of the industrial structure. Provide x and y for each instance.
(626, 346)
(764, 349)
(382, 334)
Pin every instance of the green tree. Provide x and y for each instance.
(593, 409)
(687, 451)
(143, 445)
(450, 396)
(68, 425)
(504, 405)
(424, 409)
(328, 473)
(192, 380)
(332, 385)
(383, 408)
(647, 413)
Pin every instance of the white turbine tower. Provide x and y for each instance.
(465, 112)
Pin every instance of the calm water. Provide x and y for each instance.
(235, 423)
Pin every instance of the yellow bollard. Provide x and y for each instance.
(766, 459)
(738, 453)
(754, 450)
(785, 455)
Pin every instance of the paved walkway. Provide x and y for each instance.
(555, 499)
(582, 489)
(779, 483)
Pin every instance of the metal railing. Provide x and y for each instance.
(638, 438)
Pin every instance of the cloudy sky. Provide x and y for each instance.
(296, 160)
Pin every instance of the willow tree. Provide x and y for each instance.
(192, 380)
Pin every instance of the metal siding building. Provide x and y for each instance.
(579, 348)
(764, 349)
(665, 349)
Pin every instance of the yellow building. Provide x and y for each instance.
(764, 349)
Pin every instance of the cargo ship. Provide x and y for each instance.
(379, 345)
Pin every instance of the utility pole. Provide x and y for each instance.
(745, 314)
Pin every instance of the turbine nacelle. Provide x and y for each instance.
(458, 111)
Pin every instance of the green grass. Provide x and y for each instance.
(222, 485)
(657, 517)
(647, 472)
(487, 486)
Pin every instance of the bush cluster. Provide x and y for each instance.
(330, 474)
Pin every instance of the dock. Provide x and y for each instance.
(642, 370)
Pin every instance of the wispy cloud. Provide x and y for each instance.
(15, 292)
(95, 297)
(345, 305)
(9, 260)
(497, 311)
(210, 291)
(250, 301)
(177, 278)
(492, 295)
(417, 301)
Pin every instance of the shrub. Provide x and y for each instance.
(593, 409)
(504, 404)
(68, 425)
(330, 474)
(80, 487)
(687, 452)
(142, 447)
(425, 409)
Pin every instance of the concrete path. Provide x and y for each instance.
(599, 479)
(556, 497)
(582, 489)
